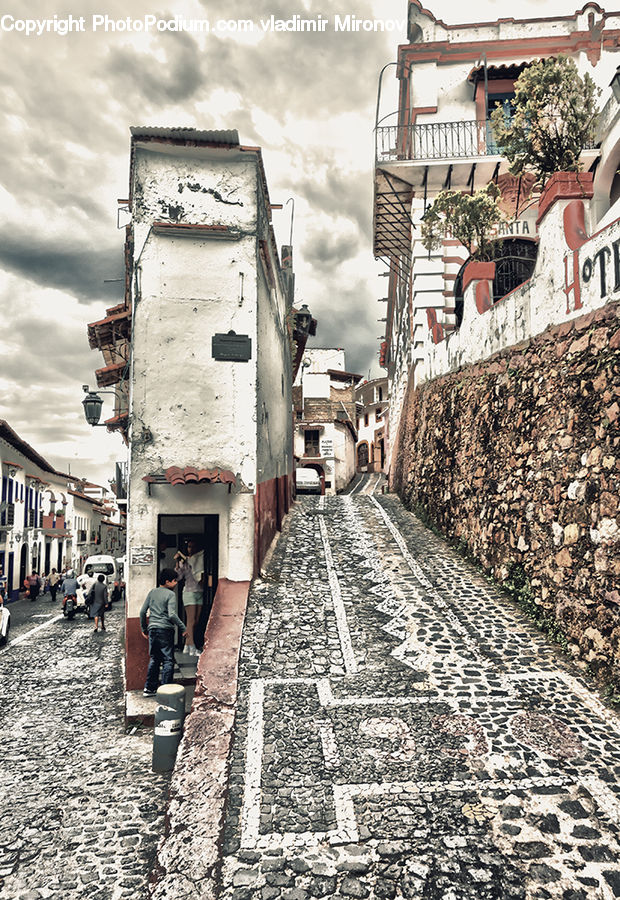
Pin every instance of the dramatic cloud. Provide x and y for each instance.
(308, 99)
(80, 271)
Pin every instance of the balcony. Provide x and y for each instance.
(435, 140)
(422, 159)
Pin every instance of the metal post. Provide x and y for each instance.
(169, 716)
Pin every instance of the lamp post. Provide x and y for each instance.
(291, 200)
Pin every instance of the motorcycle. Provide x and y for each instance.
(69, 606)
(5, 625)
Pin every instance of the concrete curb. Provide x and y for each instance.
(188, 857)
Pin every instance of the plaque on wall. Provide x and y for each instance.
(142, 556)
(232, 347)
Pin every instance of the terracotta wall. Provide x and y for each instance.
(271, 503)
(518, 459)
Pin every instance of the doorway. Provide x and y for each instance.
(172, 535)
(9, 577)
(23, 561)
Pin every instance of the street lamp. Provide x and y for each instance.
(92, 404)
(303, 319)
(615, 84)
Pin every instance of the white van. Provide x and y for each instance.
(308, 481)
(95, 565)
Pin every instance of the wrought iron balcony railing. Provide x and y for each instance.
(436, 140)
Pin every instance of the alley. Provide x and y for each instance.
(81, 809)
(403, 731)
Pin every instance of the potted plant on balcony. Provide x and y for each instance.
(60, 518)
(470, 218)
(553, 119)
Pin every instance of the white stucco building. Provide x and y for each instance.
(450, 79)
(210, 376)
(325, 429)
(46, 520)
(372, 412)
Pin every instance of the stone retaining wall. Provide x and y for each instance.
(518, 459)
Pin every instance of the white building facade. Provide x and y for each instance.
(451, 77)
(372, 410)
(46, 521)
(211, 452)
(325, 429)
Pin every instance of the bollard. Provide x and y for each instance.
(169, 716)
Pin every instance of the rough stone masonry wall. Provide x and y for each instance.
(518, 457)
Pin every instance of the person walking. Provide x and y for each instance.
(54, 583)
(34, 585)
(98, 599)
(160, 604)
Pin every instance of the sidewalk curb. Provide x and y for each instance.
(187, 863)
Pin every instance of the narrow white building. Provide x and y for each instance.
(210, 379)
(325, 417)
(372, 412)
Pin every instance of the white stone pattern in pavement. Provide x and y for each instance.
(403, 732)
(80, 807)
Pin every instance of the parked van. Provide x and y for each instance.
(308, 481)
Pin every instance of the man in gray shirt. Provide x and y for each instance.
(160, 604)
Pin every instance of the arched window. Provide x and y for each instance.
(514, 260)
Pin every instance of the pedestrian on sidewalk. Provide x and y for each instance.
(97, 599)
(3, 586)
(160, 604)
(54, 583)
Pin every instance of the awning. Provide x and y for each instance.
(175, 475)
(110, 375)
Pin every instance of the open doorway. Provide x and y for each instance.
(173, 533)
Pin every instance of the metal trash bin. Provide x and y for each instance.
(169, 717)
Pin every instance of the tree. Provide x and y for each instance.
(553, 119)
(470, 218)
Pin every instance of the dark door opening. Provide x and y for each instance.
(9, 577)
(173, 534)
(22, 566)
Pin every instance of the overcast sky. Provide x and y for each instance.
(67, 104)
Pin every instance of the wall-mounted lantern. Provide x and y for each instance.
(92, 404)
(615, 84)
(303, 319)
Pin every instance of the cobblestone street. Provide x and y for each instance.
(403, 731)
(81, 809)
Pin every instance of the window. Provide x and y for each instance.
(311, 442)
(380, 394)
(514, 263)
(365, 418)
(378, 412)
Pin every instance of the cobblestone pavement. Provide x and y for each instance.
(402, 731)
(81, 810)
